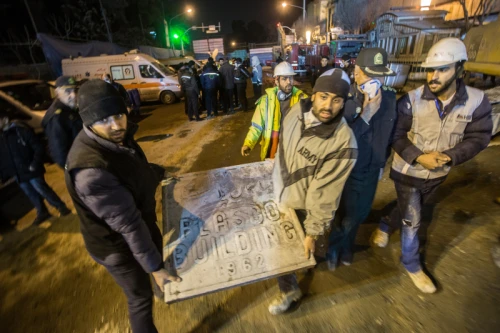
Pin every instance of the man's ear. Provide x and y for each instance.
(312, 97)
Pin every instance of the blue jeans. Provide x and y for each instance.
(410, 202)
(355, 205)
(37, 190)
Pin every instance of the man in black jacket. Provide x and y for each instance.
(62, 123)
(21, 155)
(318, 72)
(227, 75)
(371, 114)
(189, 86)
(241, 75)
(113, 189)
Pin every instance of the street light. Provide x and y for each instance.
(233, 43)
(284, 4)
(187, 11)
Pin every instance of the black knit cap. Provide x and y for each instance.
(333, 81)
(98, 100)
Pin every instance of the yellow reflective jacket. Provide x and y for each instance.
(268, 108)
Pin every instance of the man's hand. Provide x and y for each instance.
(162, 276)
(32, 168)
(433, 160)
(245, 151)
(309, 246)
(372, 105)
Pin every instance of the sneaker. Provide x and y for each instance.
(282, 303)
(346, 258)
(423, 282)
(64, 211)
(380, 238)
(332, 260)
(41, 218)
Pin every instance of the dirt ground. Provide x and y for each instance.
(48, 283)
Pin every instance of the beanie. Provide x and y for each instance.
(98, 100)
(333, 81)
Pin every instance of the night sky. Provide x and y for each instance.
(14, 16)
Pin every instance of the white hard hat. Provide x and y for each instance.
(445, 52)
(283, 69)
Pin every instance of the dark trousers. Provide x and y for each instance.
(257, 90)
(36, 190)
(355, 205)
(228, 100)
(241, 88)
(407, 216)
(235, 96)
(192, 105)
(211, 101)
(136, 285)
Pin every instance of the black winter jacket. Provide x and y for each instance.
(61, 124)
(188, 81)
(113, 190)
(20, 148)
(210, 79)
(241, 75)
(227, 75)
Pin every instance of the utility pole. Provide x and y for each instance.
(304, 10)
(103, 12)
(31, 16)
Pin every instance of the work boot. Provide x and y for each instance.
(380, 238)
(282, 303)
(64, 211)
(423, 282)
(40, 218)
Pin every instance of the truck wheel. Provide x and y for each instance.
(167, 97)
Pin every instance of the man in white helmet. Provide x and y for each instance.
(270, 111)
(441, 124)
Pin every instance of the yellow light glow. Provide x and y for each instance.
(284, 4)
(308, 36)
(425, 3)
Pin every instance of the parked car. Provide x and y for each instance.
(28, 100)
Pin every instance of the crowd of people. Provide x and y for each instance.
(329, 152)
(220, 85)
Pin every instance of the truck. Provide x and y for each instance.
(153, 80)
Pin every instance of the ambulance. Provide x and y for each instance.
(153, 80)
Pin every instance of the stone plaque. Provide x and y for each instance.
(224, 229)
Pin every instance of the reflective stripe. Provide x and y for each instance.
(186, 77)
(211, 74)
(257, 126)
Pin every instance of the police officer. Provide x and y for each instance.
(227, 74)
(62, 123)
(189, 86)
(210, 82)
(371, 114)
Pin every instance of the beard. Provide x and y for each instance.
(443, 86)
